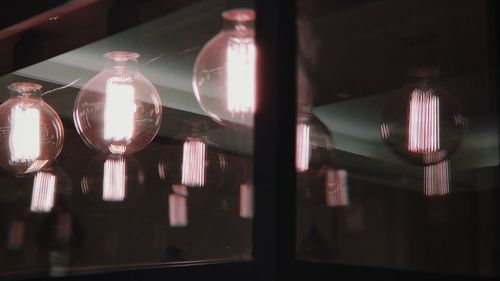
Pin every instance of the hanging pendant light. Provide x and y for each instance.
(32, 133)
(118, 111)
(224, 72)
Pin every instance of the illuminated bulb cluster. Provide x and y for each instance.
(437, 179)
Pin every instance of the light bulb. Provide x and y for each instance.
(314, 144)
(44, 192)
(337, 189)
(193, 162)
(246, 200)
(224, 72)
(113, 180)
(50, 185)
(196, 162)
(32, 133)
(437, 179)
(177, 206)
(118, 111)
(421, 123)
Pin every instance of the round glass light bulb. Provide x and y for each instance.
(32, 134)
(421, 123)
(113, 180)
(191, 159)
(224, 71)
(118, 111)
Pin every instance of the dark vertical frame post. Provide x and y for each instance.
(274, 146)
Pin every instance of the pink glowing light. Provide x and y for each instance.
(302, 152)
(423, 123)
(337, 189)
(246, 200)
(193, 163)
(114, 180)
(240, 75)
(177, 207)
(437, 179)
(44, 190)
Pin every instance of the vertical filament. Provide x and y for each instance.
(177, 205)
(337, 188)
(302, 148)
(24, 139)
(437, 179)
(193, 163)
(44, 191)
(119, 111)
(423, 127)
(114, 180)
(246, 200)
(240, 75)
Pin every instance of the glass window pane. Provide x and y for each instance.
(137, 149)
(397, 142)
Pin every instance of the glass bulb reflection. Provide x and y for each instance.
(437, 179)
(49, 185)
(118, 111)
(195, 161)
(113, 180)
(32, 132)
(314, 144)
(337, 189)
(224, 72)
(177, 210)
(421, 123)
(246, 200)
(44, 192)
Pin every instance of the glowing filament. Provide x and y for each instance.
(246, 200)
(437, 179)
(44, 191)
(24, 139)
(114, 180)
(177, 207)
(193, 163)
(423, 127)
(302, 148)
(240, 76)
(119, 111)
(337, 189)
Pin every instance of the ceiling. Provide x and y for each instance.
(355, 57)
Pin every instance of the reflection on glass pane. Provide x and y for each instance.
(405, 91)
(117, 164)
